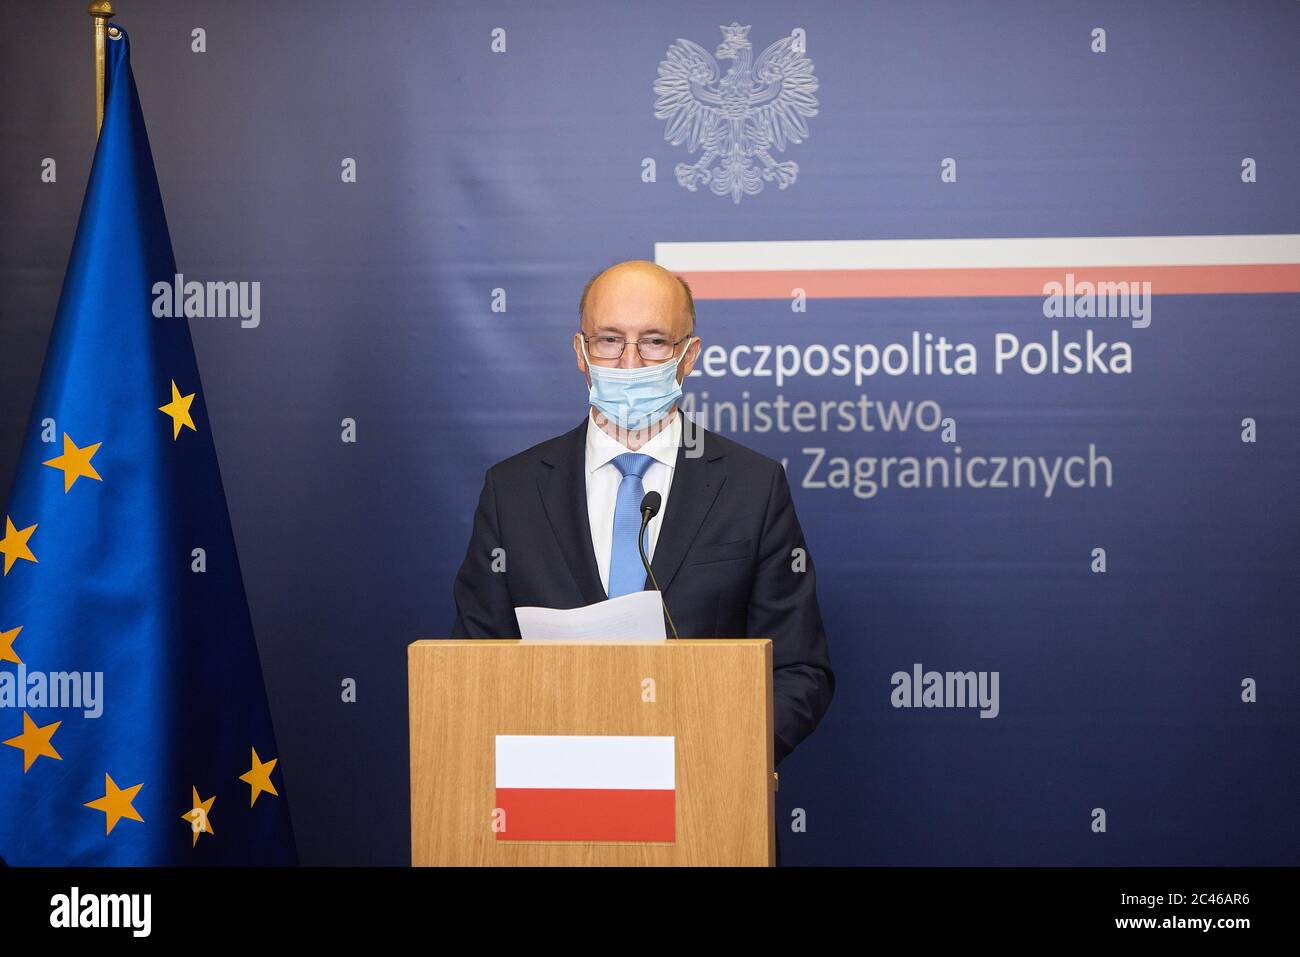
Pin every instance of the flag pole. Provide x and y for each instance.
(101, 11)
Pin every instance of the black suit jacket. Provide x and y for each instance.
(724, 559)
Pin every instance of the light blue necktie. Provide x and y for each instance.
(626, 573)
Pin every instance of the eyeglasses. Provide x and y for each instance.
(654, 348)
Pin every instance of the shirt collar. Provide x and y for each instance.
(602, 447)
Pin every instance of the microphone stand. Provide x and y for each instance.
(646, 515)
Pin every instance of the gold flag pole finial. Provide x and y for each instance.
(101, 11)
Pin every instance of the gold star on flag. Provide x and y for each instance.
(14, 545)
(179, 409)
(116, 804)
(34, 742)
(259, 778)
(75, 462)
(7, 652)
(197, 816)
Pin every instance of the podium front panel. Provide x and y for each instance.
(591, 753)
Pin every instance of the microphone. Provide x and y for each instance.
(649, 509)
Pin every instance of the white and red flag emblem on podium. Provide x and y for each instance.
(574, 787)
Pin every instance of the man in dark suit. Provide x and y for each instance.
(726, 548)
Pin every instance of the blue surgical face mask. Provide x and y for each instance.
(634, 398)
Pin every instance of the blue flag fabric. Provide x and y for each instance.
(133, 714)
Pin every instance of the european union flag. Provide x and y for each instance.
(133, 717)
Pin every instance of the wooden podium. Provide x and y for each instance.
(699, 710)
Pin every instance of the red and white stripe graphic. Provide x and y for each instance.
(939, 268)
(575, 787)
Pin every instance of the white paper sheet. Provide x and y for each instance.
(637, 616)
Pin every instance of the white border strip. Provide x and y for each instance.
(1057, 252)
(586, 761)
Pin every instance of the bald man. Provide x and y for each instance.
(723, 546)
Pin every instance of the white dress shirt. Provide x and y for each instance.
(603, 478)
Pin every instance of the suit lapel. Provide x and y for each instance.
(563, 486)
(696, 483)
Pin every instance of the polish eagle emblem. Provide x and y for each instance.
(736, 117)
